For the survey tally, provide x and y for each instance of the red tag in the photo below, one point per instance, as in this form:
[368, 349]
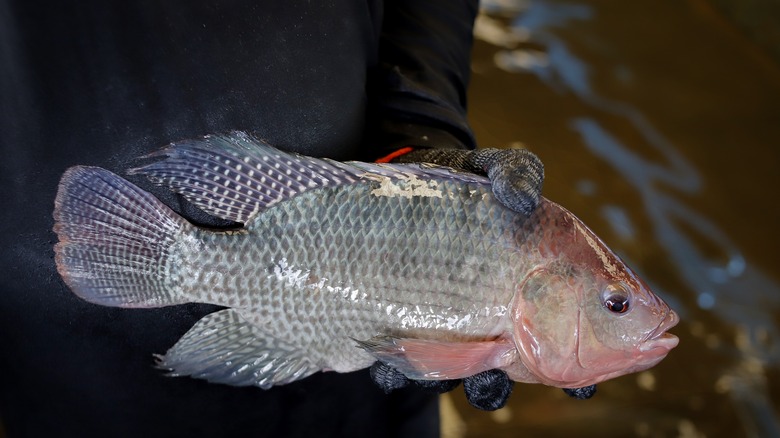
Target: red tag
[395, 154]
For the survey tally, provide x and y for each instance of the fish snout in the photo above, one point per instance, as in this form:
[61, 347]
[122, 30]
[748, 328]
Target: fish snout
[659, 339]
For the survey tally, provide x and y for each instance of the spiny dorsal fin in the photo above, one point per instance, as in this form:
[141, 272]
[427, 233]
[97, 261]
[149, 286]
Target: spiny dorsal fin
[234, 176]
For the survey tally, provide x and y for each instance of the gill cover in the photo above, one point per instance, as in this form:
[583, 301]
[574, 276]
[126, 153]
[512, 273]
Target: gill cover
[546, 325]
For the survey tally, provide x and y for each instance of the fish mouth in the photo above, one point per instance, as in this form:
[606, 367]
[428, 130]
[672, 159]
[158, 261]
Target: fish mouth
[659, 339]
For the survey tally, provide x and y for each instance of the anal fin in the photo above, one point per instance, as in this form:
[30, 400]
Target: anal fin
[224, 348]
[423, 359]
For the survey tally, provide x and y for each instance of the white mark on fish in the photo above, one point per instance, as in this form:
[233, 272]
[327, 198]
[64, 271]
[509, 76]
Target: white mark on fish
[598, 249]
[289, 275]
[302, 279]
[417, 317]
[406, 186]
[346, 292]
[186, 244]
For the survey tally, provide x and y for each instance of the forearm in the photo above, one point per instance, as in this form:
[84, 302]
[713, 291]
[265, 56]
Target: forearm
[417, 91]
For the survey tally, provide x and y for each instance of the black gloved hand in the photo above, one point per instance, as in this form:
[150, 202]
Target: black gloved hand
[515, 174]
[488, 390]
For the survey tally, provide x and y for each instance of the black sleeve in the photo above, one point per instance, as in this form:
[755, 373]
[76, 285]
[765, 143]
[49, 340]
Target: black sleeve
[417, 91]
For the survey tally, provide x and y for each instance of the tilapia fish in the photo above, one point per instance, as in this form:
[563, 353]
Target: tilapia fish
[339, 265]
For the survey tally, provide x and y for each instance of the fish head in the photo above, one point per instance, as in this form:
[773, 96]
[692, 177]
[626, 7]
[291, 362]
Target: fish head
[582, 315]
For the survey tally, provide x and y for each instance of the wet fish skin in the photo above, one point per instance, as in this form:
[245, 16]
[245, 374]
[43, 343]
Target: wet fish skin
[403, 261]
[344, 264]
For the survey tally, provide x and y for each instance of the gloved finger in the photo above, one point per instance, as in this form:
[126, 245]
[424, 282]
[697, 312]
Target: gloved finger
[456, 158]
[390, 379]
[488, 390]
[437, 386]
[583, 393]
[517, 176]
[387, 378]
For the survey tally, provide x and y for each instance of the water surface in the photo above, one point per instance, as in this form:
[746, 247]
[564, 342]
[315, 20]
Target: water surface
[659, 126]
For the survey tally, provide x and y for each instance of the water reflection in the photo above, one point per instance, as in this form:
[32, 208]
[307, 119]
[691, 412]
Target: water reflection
[718, 283]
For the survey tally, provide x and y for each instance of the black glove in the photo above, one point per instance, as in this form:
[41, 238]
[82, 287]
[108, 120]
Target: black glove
[583, 393]
[488, 390]
[516, 176]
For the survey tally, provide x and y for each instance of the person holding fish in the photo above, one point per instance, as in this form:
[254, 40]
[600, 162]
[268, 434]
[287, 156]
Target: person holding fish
[251, 257]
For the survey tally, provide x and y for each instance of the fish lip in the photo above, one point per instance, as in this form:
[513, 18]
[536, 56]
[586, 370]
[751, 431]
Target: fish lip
[660, 338]
[664, 342]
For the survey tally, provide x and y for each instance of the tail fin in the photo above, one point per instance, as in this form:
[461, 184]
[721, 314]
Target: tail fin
[115, 240]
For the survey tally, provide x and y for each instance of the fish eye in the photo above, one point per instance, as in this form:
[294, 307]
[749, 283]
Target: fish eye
[616, 298]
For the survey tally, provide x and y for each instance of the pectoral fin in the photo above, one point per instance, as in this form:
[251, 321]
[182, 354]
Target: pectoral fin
[223, 348]
[422, 359]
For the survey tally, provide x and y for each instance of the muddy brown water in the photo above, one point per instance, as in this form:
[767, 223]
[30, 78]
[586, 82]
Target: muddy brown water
[659, 125]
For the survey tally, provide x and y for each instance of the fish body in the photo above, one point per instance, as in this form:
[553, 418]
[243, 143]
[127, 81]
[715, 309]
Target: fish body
[342, 264]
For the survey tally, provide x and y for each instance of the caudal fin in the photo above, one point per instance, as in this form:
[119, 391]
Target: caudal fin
[115, 240]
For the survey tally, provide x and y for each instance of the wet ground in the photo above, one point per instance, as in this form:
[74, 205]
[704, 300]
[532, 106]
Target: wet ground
[659, 125]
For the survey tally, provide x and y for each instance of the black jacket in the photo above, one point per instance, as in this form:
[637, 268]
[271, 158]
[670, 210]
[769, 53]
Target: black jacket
[99, 82]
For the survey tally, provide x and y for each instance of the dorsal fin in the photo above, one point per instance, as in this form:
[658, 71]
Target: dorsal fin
[234, 176]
